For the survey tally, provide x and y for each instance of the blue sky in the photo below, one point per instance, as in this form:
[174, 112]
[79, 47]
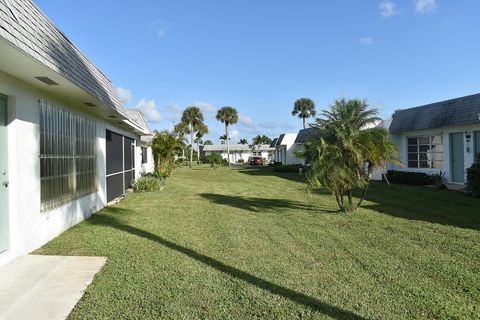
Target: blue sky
[260, 56]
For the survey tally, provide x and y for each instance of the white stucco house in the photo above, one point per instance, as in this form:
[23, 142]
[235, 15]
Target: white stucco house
[242, 152]
[442, 136]
[67, 145]
[285, 148]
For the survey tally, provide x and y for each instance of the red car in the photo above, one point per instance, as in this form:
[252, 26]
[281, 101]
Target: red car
[256, 161]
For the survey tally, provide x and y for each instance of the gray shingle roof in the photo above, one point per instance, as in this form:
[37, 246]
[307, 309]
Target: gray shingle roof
[27, 28]
[137, 116]
[463, 110]
[305, 134]
[274, 143]
[280, 140]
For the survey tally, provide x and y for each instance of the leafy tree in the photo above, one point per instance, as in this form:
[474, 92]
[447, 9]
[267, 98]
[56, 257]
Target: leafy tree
[165, 146]
[347, 152]
[208, 143]
[223, 138]
[304, 108]
[181, 130]
[228, 116]
[243, 141]
[192, 116]
[202, 129]
[261, 140]
[215, 160]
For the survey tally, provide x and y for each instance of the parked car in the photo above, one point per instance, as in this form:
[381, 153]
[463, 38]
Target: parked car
[256, 161]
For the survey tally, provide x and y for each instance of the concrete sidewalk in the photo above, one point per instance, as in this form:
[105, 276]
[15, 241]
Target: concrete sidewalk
[45, 287]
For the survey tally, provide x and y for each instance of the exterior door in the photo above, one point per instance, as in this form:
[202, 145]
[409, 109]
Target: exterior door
[4, 232]
[457, 157]
[477, 144]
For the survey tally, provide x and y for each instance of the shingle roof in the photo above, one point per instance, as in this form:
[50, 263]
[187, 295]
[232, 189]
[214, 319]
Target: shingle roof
[463, 110]
[27, 28]
[137, 116]
[385, 124]
[280, 139]
[236, 147]
[305, 134]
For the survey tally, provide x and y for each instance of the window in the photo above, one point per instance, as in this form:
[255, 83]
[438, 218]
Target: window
[477, 143]
[425, 152]
[144, 155]
[120, 164]
[67, 156]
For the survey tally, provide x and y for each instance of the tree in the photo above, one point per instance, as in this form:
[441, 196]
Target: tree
[243, 141]
[192, 116]
[181, 130]
[215, 160]
[165, 146]
[202, 129]
[223, 138]
[208, 143]
[304, 108]
[258, 140]
[228, 116]
[347, 153]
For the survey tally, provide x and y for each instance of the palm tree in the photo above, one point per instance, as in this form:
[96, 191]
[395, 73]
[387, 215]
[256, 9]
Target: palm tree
[304, 108]
[181, 129]
[164, 148]
[261, 140]
[192, 116]
[228, 116]
[202, 129]
[208, 143]
[339, 156]
[243, 141]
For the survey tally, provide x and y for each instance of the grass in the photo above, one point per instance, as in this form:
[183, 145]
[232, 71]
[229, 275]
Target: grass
[251, 243]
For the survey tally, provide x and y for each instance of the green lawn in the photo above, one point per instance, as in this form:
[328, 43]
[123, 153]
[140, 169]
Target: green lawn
[246, 244]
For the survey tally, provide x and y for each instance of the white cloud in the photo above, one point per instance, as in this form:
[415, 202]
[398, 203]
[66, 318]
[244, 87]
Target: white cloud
[159, 27]
[387, 8]
[149, 109]
[174, 112]
[245, 120]
[235, 134]
[367, 41]
[124, 95]
[425, 6]
[205, 106]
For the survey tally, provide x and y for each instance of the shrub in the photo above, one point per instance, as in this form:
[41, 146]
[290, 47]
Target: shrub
[147, 183]
[215, 159]
[412, 178]
[240, 161]
[473, 178]
[293, 168]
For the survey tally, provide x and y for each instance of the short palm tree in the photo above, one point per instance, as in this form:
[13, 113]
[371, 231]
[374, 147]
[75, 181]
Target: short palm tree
[243, 141]
[304, 108]
[345, 148]
[202, 129]
[164, 148]
[192, 116]
[228, 116]
[181, 130]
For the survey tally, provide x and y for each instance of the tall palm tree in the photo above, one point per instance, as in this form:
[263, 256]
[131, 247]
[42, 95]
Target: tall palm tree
[304, 108]
[243, 141]
[339, 156]
[192, 116]
[202, 129]
[228, 116]
[181, 129]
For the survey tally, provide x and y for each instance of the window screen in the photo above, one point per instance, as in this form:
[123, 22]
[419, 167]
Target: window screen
[67, 155]
[144, 155]
[425, 152]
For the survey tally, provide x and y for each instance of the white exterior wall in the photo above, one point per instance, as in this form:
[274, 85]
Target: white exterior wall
[400, 141]
[285, 153]
[29, 228]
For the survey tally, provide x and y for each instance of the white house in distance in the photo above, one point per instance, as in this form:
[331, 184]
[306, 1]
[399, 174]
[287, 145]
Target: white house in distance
[285, 148]
[147, 163]
[241, 152]
[442, 136]
[67, 145]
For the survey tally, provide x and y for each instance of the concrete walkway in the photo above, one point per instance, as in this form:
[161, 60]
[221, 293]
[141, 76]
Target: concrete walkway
[45, 287]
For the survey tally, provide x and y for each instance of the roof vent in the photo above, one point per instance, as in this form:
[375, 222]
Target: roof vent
[47, 80]
[90, 104]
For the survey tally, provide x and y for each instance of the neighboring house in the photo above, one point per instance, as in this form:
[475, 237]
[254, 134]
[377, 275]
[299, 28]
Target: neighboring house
[442, 136]
[67, 145]
[285, 149]
[240, 151]
[302, 137]
[145, 151]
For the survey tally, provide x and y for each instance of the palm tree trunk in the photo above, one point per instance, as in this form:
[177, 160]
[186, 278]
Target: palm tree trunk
[364, 192]
[198, 152]
[304, 123]
[191, 145]
[228, 146]
[350, 200]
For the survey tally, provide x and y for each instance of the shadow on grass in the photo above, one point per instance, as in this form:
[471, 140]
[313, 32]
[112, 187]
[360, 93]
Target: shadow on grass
[443, 207]
[255, 204]
[297, 297]
[268, 171]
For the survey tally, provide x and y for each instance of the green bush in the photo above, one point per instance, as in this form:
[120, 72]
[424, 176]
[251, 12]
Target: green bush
[473, 178]
[293, 168]
[147, 184]
[215, 160]
[412, 178]
[240, 161]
